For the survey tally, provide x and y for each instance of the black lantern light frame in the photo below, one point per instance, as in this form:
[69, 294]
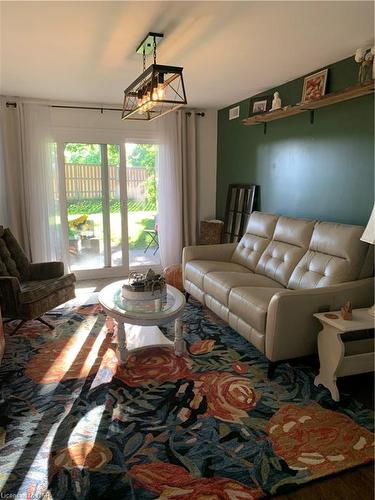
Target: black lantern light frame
[157, 91]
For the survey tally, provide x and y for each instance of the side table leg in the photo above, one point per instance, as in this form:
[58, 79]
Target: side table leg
[179, 343]
[331, 353]
[121, 335]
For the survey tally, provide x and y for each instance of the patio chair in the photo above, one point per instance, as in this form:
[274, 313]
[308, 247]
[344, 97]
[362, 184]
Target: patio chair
[154, 238]
[27, 291]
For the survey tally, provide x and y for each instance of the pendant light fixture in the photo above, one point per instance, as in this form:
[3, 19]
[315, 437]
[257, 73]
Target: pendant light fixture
[157, 91]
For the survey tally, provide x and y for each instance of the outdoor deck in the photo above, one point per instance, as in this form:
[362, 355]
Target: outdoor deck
[137, 257]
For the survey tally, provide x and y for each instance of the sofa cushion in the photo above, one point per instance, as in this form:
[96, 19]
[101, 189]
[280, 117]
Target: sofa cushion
[32, 291]
[219, 284]
[251, 305]
[289, 243]
[258, 234]
[195, 270]
[335, 255]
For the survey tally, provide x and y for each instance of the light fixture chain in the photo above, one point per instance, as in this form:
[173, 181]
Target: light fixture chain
[154, 50]
[144, 59]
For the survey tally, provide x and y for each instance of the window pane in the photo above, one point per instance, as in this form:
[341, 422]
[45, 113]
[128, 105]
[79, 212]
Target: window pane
[141, 175]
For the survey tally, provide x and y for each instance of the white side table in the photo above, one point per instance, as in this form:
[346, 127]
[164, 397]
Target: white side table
[338, 359]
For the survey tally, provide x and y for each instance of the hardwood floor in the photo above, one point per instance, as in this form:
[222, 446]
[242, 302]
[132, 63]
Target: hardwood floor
[354, 484]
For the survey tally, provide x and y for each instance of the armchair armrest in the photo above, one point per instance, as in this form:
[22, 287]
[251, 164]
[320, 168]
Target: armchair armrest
[9, 290]
[46, 270]
[291, 328]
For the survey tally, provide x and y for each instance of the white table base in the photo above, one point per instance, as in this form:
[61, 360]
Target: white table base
[331, 354]
[134, 337]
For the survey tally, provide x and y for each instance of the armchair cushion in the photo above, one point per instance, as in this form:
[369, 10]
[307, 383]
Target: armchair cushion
[45, 270]
[32, 291]
[13, 261]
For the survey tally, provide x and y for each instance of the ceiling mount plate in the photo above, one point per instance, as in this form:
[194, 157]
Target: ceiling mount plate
[147, 44]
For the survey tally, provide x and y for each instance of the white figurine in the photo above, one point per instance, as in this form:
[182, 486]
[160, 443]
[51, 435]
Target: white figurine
[359, 58]
[276, 103]
[368, 66]
[359, 55]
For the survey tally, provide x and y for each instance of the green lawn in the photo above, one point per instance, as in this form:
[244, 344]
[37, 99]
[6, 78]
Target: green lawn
[138, 221]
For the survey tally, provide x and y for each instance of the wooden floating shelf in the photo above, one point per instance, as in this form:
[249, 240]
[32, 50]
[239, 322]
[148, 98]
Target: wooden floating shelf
[332, 98]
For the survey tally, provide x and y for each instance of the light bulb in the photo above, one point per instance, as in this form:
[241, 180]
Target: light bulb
[160, 91]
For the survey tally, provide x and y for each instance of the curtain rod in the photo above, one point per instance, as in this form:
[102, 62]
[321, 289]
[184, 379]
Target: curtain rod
[101, 109]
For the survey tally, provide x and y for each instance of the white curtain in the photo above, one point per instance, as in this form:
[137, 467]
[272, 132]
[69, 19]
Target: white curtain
[4, 212]
[177, 186]
[12, 211]
[31, 180]
[41, 183]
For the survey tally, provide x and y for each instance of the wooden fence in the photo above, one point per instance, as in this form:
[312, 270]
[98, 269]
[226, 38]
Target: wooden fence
[84, 181]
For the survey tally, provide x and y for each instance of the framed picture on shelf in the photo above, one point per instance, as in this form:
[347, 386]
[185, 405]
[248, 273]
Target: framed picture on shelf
[259, 105]
[314, 86]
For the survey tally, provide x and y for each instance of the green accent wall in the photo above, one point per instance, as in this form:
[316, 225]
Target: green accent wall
[323, 170]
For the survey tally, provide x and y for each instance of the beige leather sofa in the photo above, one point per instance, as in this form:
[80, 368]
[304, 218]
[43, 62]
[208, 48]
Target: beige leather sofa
[269, 285]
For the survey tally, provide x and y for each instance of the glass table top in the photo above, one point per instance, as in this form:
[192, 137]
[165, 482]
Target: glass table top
[111, 299]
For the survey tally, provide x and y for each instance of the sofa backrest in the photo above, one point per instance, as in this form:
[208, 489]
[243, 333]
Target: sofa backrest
[259, 231]
[289, 243]
[335, 255]
[13, 261]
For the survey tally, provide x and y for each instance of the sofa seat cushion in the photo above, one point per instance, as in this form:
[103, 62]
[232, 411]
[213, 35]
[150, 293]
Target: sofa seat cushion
[251, 304]
[219, 284]
[195, 270]
[32, 291]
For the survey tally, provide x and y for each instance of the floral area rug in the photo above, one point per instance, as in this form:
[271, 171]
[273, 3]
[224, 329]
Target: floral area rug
[208, 425]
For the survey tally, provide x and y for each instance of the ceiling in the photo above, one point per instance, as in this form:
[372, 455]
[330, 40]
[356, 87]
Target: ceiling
[84, 51]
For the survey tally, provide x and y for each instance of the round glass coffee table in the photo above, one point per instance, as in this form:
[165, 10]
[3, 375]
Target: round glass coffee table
[137, 326]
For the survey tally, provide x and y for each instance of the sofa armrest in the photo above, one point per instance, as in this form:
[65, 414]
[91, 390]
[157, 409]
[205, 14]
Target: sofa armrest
[46, 270]
[208, 252]
[291, 329]
[222, 252]
[9, 292]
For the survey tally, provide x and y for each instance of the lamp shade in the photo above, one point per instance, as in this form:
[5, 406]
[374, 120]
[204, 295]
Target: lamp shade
[369, 233]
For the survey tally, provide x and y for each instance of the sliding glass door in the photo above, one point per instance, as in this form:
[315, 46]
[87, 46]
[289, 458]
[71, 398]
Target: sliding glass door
[94, 214]
[142, 210]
